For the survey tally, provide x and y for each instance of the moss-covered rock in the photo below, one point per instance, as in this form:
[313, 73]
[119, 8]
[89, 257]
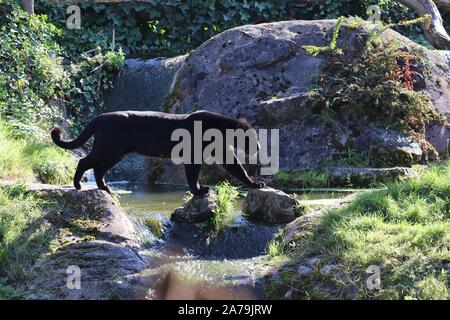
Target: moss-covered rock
[88, 231]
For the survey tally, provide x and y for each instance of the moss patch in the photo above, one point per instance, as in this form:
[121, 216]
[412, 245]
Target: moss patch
[155, 227]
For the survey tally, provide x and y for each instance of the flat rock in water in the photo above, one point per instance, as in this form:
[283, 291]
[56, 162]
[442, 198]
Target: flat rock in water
[271, 206]
[197, 209]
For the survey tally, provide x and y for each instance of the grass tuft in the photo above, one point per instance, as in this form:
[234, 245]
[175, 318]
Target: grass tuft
[29, 160]
[404, 229]
[155, 227]
[224, 214]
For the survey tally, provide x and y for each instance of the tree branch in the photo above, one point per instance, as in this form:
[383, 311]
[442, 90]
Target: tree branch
[436, 33]
[443, 4]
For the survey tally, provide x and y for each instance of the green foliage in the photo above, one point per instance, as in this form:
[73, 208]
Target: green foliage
[357, 159]
[32, 75]
[331, 47]
[49, 163]
[275, 248]
[155, 227]
[7, 291]
[403, 229]
[162, 27]
[373, 87]
[13, 163]
[27, 159]
[91, 74]
[39, 76]
[300, 209]
[225, 213]
[301, 179]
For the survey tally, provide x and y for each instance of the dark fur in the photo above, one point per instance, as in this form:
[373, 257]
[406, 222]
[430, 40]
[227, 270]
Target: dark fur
[147, 133]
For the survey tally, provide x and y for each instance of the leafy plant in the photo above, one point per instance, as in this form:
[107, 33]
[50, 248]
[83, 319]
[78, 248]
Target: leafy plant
[377, 86]
[225, 213]
[301, 179]
[33, 77]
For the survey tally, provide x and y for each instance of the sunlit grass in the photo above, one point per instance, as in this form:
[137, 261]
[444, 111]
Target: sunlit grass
[13, 164]
[18, 247]
[224, 213]
[405, 230]
[31, 160]
[275, 248]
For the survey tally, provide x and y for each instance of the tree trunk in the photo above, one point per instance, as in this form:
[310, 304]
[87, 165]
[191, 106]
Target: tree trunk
[436, 34]
[28, 6]
[443, 4]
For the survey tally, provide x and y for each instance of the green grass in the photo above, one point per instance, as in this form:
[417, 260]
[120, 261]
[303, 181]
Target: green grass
[301, 179]
[33, 160]
[356, 159]
[405, 230]
[20, 245]
[155, 227]
[13, 164]
[275, 248]
[224, 213]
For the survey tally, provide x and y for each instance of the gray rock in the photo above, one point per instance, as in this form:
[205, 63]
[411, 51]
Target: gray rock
[303, 271]
[103, 242]
[301, 224]
[328, 269]
[142, 84]
[438, 89]
[197, 209]
[271, 206]
[391, 146]
[262, 73]
[365, 176]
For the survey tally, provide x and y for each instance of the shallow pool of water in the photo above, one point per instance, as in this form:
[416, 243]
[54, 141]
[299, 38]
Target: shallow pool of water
[140, 200]
[233, 258]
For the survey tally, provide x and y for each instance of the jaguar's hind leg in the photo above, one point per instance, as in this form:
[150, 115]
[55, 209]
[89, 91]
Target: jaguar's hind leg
[192, 174]
[99, 174]
[83, 165]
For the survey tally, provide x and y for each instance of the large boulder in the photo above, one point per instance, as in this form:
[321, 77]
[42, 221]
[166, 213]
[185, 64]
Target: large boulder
[271, 206]
[89, 232]
[262, 73]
